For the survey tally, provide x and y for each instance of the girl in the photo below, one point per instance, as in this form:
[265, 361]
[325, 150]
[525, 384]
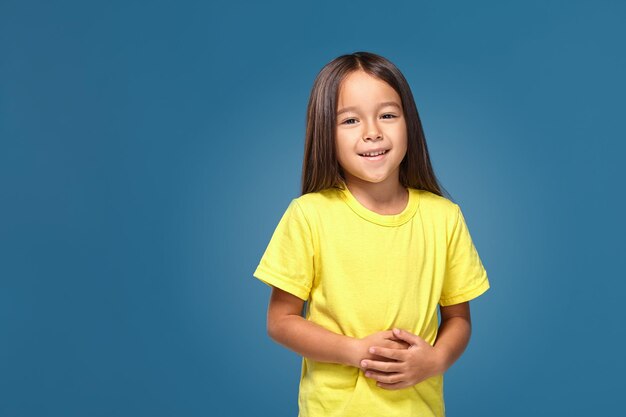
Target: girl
[375, 248]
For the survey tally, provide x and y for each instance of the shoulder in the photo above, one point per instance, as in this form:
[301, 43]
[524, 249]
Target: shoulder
[433, 202]
[316, 206]
[318, 199]
[438, 208]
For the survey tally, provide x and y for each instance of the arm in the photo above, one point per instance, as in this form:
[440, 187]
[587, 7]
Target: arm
[454, 334]
[286, 326]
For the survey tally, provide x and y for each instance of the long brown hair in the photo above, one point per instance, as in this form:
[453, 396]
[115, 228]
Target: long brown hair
[320, 168]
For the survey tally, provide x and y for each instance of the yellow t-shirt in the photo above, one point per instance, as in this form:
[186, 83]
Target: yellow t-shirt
[364, 272]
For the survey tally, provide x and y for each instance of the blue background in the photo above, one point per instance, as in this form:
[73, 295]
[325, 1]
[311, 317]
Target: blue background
[148, 150]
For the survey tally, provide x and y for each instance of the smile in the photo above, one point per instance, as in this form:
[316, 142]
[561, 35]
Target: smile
[375, 158]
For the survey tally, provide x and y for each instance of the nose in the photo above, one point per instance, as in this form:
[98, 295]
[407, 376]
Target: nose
[372, 132]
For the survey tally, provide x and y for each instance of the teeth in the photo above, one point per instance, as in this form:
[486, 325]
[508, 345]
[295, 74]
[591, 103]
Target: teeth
[373, 153]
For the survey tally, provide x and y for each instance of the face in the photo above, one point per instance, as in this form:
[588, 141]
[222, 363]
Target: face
[370, 118]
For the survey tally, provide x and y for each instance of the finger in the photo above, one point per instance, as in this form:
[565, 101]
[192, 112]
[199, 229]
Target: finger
[381, 366]
[396, 386]
[380, 358]
[395, 340]
[397, 354]
[390, 346]
[391, 378]
[398, 345]
[388, 334]
[409, 337]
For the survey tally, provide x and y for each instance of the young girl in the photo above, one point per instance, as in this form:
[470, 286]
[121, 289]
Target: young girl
[375, 249]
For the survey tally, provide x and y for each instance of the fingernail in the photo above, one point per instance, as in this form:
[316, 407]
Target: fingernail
[396, 331]
[364, 364]
[372, 350]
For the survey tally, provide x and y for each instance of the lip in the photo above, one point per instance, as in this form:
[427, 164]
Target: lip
[375, 158]
[373, 150]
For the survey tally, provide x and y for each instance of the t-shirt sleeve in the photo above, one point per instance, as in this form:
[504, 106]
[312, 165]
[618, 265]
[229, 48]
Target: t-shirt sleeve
[465, 277]
[288, 259]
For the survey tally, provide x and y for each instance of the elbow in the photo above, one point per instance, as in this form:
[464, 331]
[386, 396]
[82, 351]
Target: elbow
[276, 329]
[281, 307]
[272, 328]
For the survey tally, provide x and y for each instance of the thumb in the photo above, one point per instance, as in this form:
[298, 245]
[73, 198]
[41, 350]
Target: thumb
[408, 337]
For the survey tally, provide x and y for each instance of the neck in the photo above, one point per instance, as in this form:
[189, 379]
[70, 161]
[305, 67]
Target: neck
[388, 195]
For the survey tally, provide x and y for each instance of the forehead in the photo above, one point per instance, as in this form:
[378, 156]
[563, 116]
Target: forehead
[361, 89]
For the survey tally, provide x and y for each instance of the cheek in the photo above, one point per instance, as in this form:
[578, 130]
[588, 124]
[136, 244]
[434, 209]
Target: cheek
[402, 138]
[342, 148]
[401, 131]
[342, 158]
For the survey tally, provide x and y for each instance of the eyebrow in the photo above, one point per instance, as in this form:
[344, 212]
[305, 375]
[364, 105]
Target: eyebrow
[383, 104]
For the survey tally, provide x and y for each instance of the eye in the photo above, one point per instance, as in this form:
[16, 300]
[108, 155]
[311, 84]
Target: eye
[347, 120]
[392, 116]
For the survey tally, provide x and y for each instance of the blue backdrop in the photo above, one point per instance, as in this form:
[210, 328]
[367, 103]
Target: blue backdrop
[148, 150]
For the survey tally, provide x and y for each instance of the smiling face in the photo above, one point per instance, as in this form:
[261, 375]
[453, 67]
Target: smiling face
[370, 118]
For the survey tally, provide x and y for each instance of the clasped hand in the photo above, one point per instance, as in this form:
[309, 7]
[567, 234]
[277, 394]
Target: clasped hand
[406, 361]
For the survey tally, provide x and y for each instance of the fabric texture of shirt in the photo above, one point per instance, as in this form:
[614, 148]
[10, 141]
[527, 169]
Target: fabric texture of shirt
[364, 272]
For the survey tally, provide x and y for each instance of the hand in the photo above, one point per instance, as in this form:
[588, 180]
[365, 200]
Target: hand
[407, 366]
[382, 339]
